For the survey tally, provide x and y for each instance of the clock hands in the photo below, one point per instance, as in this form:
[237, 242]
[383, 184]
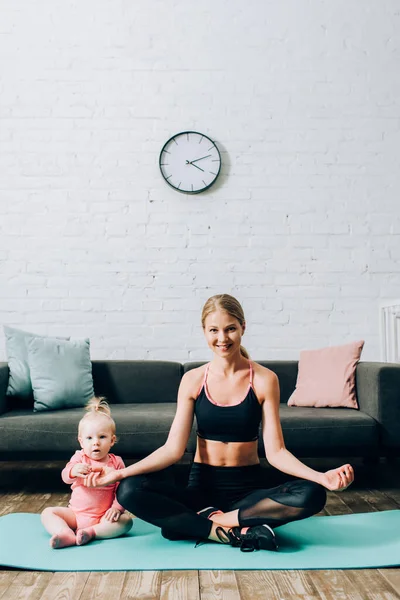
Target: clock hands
[197, 167]
[188, 162]
[193, 161]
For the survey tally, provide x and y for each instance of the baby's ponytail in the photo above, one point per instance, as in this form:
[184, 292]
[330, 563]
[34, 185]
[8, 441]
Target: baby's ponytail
[98, 404]
[97, 407]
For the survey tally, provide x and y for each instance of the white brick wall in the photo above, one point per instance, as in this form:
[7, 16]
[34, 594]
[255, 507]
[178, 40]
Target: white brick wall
[303, 226]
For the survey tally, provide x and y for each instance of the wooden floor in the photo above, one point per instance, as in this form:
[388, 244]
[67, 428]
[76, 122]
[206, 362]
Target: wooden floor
[33, 486]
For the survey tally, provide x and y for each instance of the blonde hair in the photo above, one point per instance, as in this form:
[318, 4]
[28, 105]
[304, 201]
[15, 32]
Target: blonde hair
[96, 408]
[230, 305]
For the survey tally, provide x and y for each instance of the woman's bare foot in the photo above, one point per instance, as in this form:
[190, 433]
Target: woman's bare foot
[228, 519]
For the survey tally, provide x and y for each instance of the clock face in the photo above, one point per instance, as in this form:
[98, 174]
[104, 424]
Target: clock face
[190, 162]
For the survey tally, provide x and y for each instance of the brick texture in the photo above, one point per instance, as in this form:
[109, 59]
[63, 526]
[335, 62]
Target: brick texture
[303, 225]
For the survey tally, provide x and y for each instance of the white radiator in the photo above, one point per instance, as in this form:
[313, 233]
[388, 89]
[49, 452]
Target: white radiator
[390, 331]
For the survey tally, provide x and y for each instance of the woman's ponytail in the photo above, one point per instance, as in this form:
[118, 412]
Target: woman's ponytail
[244, 352]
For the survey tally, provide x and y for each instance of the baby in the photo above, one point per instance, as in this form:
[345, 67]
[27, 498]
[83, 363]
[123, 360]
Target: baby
[92, 512]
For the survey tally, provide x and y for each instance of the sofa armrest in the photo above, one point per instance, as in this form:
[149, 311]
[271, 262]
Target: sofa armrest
[3, 386]
[378, 394]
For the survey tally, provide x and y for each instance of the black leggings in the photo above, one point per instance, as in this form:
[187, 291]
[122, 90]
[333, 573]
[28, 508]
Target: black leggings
[156, 498]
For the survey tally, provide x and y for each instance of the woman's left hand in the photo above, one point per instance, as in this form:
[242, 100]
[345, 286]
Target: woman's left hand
[338, 479]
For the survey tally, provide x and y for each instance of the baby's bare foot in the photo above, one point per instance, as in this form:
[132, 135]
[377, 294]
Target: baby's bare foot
[83, 536]
[63, 539]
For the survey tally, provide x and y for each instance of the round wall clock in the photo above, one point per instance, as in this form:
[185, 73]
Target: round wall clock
[190, 162]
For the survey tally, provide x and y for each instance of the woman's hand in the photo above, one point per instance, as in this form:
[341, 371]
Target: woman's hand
[101, 476]
[338, 479]
[112, 515]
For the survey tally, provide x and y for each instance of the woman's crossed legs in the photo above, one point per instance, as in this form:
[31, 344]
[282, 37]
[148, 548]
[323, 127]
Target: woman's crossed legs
[156, 499]
[291, 501]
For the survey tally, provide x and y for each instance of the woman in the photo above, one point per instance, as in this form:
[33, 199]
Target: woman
[226, 499]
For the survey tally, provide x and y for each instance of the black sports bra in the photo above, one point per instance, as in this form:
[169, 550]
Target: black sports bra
[228, 423]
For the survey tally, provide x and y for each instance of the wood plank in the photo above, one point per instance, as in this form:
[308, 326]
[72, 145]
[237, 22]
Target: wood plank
[378, 500]
[33, 503]
[218, 585]
[29, 585]
[10, 502]
[257, 585]
[66, 586]
[335, 504]
[392, 576]
[57, 499]
[368, 501]
[276, 585]
[295, 585]
[142, 584]
[372, 585]
[6, 579]
[179, 585]
[334, 584]
[356, 502]
[393, 494]
[103, 586]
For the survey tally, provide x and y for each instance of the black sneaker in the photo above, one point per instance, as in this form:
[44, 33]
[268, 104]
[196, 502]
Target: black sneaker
[248, 539]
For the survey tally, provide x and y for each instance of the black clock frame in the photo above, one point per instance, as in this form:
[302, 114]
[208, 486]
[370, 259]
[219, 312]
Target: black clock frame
[185, 191]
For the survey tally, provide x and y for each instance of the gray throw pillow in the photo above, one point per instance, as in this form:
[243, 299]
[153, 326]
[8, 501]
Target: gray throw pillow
[61, 373]
[19, 381]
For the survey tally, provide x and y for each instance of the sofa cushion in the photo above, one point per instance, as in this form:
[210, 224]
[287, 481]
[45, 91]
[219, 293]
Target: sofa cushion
[19, 382]
[327, 377]
[137, 381]
[140, 429]
[61, 373]
[328, 432]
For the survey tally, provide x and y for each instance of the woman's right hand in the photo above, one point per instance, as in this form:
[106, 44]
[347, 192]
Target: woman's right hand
[102, 477]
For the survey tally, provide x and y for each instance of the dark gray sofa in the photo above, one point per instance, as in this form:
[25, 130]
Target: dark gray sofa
[143, 394]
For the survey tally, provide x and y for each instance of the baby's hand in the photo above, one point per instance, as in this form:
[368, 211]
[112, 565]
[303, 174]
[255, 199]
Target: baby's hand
[112, 515]
[80, 470]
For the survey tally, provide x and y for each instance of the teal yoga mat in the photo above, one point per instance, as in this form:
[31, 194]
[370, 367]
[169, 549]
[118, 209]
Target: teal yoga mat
[338, 542]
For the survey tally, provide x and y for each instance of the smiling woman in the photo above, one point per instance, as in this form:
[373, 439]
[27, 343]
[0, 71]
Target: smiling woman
[230, 308]
[228, 498]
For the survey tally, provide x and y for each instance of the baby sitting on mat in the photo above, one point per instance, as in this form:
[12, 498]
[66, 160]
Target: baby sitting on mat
[92, 512]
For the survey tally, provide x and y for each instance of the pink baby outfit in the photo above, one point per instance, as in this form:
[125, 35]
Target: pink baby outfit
[90, 504]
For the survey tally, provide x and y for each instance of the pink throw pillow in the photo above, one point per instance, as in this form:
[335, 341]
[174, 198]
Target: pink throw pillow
[326, 377]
